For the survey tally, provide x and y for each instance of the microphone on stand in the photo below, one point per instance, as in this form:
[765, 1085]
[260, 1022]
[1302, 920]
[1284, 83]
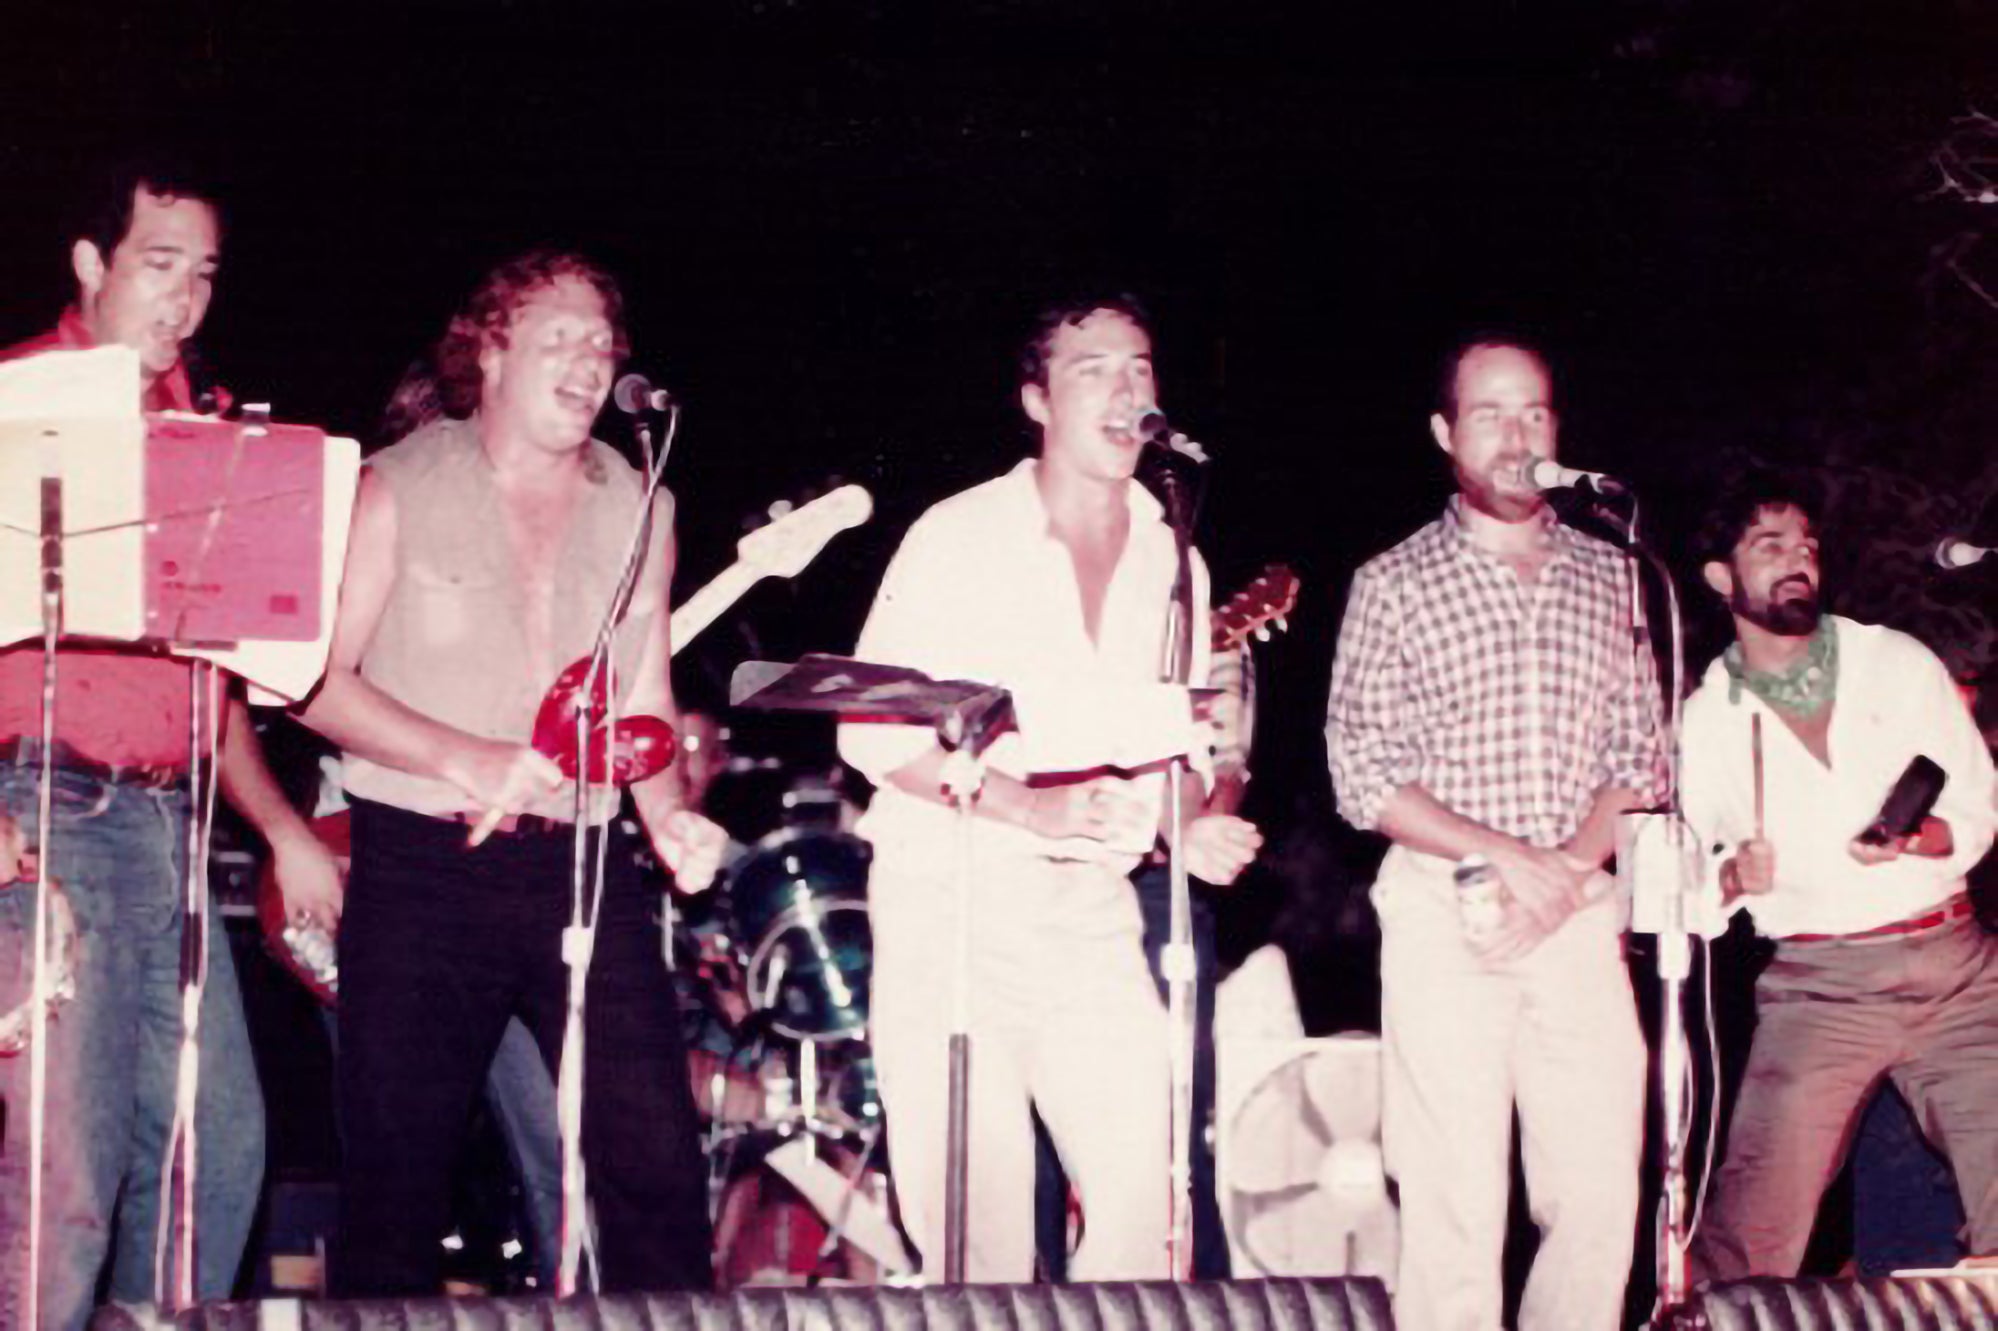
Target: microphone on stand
[635, 395]
[1547, 474]
[1151, 427]
[1172, 465]
[1953, 552]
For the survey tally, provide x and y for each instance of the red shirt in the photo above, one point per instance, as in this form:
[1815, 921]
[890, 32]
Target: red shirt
[113, 705]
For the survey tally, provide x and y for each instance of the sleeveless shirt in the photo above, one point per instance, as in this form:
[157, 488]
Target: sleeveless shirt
[452, 643]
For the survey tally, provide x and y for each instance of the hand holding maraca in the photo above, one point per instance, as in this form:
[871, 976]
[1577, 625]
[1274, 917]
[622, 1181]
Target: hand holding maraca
[502, 777]
[505, 776]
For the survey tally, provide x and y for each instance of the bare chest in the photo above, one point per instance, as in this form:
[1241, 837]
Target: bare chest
[1095, 564]
[537, 531]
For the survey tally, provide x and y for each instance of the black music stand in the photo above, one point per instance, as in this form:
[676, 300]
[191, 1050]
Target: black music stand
[973, 714]
[968, 717]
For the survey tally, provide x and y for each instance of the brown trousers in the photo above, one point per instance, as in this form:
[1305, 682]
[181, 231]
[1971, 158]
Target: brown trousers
[1832, 1020]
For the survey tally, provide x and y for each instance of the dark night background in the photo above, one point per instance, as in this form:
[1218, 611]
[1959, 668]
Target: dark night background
[831, 221]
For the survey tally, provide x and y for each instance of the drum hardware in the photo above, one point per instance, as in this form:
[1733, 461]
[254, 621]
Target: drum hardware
[813, 1088]
[855, 1212]
[842, 1182]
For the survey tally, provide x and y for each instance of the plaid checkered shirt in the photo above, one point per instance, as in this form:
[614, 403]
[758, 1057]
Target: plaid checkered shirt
[1512, 705]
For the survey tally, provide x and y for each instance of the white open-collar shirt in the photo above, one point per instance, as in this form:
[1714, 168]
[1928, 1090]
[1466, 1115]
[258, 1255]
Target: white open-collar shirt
[982, 590]
[1894, 700]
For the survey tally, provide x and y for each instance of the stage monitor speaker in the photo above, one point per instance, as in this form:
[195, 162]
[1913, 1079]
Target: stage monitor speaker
[1243, 1305]
[1903, 1303]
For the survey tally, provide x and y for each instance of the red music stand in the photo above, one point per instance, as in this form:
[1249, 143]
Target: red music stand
[202, 537]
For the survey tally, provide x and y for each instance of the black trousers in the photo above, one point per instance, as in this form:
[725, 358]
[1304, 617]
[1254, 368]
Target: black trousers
[439, 946]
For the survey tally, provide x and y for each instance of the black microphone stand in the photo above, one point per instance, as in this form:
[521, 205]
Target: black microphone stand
[1178, 963]
[586, 868]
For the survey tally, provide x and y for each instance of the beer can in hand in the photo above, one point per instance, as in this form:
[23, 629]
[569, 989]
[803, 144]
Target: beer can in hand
[1480, 899]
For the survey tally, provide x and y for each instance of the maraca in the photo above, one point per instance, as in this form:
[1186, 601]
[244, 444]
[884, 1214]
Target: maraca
[636, 748]
[639, 747]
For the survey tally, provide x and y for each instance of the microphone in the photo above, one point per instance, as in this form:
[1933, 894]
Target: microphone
[1953, 552]
[1547, 474]
[1151, 427]
[635, 395]
[208, 395]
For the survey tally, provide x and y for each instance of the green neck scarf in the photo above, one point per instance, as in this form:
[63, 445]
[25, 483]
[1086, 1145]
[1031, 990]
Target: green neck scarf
[1804, 688]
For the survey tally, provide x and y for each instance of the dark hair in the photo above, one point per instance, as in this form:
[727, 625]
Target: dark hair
[1481, 340]
[1051, 319]
[105, 215]
[1742, 497]
[488, 314]
[412, 404]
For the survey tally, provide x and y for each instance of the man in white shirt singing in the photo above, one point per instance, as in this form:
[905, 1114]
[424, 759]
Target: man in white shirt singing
[1052, 581]
[1791, 743]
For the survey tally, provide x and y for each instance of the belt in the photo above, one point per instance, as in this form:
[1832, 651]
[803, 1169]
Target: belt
[512, 824]
[26, 751]
[1956, 908]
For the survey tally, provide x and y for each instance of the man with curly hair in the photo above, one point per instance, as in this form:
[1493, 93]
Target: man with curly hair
[486, 549]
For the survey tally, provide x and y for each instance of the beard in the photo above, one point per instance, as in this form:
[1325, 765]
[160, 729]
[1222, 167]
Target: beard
[1791, 617]
[1486, 495]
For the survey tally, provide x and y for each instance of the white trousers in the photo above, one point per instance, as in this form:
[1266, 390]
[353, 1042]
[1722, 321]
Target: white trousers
[1554, 1034]
[1064, 1019]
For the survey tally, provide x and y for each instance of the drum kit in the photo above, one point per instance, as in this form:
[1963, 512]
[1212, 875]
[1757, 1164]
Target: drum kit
[797, 1166]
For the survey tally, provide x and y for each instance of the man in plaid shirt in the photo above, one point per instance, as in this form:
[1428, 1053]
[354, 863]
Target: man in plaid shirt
[1489, 700]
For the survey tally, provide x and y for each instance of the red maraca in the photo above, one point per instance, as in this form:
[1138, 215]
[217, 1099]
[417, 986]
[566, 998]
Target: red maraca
[640, 746]
[637, 747]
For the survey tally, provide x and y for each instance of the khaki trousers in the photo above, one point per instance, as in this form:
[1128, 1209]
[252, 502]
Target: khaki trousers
[1064, 1019]
[1553, 1034]
[1832, 1020]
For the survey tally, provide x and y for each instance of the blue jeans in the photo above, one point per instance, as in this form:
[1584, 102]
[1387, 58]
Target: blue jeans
[113, 1051]
[522, 1096]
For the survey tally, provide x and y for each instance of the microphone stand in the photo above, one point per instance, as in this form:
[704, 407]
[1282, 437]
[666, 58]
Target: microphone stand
[579, 938]
[38, 992]
[964, 777]
[1675, 957]
[1672, 1236]
[174, 1251]
[1178, 962]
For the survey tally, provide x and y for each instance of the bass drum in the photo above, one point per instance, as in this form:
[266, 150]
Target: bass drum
[799, 903]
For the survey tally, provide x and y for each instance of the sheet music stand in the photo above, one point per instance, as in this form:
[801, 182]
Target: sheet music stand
[862, 691]
[967, 717]
[86, 482]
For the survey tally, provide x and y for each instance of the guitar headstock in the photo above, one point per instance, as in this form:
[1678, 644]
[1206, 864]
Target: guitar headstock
[1258, 607]
[783, 548]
